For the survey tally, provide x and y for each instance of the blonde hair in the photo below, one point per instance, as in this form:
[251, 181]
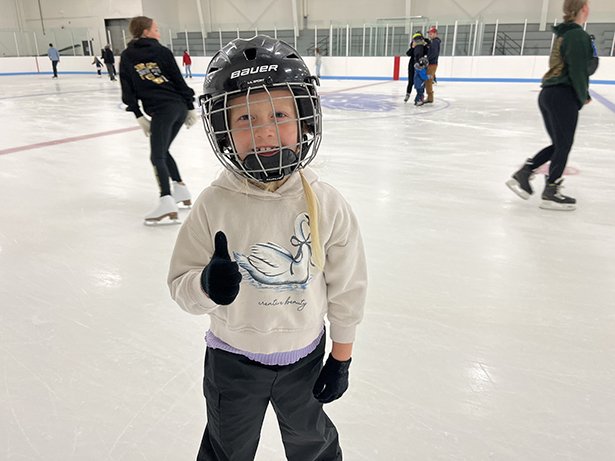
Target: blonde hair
[139, 24]
[312, 208]
[571, 9]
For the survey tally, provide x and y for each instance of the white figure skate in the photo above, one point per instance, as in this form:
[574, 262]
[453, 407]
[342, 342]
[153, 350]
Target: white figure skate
[167, 208]
[181, 194]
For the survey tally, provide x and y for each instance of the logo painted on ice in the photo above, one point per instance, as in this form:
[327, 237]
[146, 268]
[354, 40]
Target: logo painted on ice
[254, 70]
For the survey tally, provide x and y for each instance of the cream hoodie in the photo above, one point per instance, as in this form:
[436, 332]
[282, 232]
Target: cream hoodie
[283, 298]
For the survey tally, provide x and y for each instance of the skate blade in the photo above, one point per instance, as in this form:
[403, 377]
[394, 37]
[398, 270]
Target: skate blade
[549, 205]
[513, 185]
[161, 221]
[185, 203]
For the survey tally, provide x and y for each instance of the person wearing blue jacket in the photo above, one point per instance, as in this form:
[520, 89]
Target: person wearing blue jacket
[54, 56]
[420, 77]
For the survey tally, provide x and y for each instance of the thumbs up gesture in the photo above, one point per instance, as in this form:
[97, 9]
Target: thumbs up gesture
[221, 277]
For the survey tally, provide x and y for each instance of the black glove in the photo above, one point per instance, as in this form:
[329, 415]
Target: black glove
[221, 277]
[332, 381]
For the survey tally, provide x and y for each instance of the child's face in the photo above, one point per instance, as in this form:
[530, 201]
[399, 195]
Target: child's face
[260, 113]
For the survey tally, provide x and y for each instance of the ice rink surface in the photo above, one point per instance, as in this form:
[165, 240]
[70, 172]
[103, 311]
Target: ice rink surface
[489, 332]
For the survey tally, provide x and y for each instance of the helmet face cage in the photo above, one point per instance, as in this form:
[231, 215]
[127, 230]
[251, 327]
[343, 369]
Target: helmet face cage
[290, 156]
[280, 75]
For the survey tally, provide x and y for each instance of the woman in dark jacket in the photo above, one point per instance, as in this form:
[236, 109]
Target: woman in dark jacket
[418, 49]
[565, 90]
[150, 74]
[109, 60]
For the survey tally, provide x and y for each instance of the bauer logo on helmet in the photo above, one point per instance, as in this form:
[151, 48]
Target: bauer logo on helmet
[254, 70]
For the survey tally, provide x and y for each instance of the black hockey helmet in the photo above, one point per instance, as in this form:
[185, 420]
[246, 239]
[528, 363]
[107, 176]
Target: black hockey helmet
[260, 64]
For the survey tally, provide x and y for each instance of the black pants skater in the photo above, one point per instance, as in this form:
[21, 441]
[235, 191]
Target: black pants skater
[410, 77]
[165, 125]
[560, 110]
[238, 390]
[111, 70]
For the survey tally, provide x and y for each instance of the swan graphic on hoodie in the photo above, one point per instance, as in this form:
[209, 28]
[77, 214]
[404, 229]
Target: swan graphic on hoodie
[270, 265]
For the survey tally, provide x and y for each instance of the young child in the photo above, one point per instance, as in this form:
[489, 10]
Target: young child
[98, 64]
[268, 251]
[420, 77]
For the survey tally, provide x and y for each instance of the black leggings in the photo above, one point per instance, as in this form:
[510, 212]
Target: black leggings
[166, 123]
[410, 77]
[560, 110]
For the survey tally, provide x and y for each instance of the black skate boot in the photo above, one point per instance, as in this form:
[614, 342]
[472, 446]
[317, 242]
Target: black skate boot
[520, 181]
[553, 199]
[407, 97]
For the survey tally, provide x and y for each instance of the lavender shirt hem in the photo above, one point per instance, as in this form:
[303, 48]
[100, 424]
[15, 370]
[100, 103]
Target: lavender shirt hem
[277, 358]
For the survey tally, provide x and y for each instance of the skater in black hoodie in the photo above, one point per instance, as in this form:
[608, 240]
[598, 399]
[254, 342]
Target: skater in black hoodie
[565, 90]
[417, 49]
[109, 60]
[149, 73]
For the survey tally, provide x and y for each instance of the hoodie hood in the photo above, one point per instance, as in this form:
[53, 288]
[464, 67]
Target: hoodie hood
[564, 27]
[291, 188]
[143, 42]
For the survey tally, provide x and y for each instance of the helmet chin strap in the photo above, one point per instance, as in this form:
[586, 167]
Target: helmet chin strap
[267, 169]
